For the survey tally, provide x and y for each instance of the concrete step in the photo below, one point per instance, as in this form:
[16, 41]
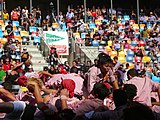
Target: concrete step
[38, 61]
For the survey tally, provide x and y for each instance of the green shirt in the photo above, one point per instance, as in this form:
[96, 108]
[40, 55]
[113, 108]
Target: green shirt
[2, 74]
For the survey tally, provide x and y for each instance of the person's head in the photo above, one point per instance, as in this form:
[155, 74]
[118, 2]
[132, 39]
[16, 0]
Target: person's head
[5, 52]
[38, 81]
[127, 65]
[66, 114]
[96, 62]
[74, 63]
[74, 70]
[119, 97]
[131, 91]
[138, 111]
[115, 59]
[104, 62]
[25, 49]
[9, 23]
[17, 42]
[52, 67]
[30, 68]
[145, 27]
[100, 91]
[89, 63]
[155, 63]
[66, 63]
[7, 61]
[70, 86]
[132, 73]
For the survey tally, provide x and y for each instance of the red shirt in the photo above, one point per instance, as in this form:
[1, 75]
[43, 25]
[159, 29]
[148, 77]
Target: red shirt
[6, 67]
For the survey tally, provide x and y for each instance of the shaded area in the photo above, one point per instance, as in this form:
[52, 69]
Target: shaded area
[44, 4]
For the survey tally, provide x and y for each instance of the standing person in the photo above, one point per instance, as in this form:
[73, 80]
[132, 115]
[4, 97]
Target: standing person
[102, 71]
[25, 11]
[15, 15]
[9, 29]
[2, 73]
[145, 34]
[74, 68]
[38, 17]
[5, 15]
[144, 87]
[54, 57]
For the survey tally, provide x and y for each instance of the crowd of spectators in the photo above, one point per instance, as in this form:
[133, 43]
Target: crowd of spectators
[111, 88]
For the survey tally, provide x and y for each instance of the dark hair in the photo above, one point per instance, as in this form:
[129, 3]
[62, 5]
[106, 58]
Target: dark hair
[74, 70]
[137, 111]
[103, 59]
[100, 90]
[66, 114]
[119, 97]
[132, 72]
[127, 65]
[115, 58]
[131, 91]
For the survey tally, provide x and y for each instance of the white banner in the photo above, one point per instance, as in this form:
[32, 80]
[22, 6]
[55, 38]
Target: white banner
[59, 40]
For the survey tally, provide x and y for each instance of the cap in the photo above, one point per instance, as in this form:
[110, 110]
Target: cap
[155, 62]
[30, 66]
[25, 48]
[22, 80]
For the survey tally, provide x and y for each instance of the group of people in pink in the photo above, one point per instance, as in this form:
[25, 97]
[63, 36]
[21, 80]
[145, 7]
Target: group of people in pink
[109, 89]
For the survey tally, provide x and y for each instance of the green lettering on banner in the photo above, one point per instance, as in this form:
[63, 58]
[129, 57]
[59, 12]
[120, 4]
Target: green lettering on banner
[53, 38]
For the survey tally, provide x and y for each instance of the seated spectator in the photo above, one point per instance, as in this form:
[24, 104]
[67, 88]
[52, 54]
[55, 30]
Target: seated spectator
[96, 36]
[2, 73]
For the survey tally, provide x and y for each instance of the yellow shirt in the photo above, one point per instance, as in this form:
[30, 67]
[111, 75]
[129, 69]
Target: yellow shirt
[5, 16]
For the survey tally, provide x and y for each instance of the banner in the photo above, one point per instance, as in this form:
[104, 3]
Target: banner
[59, 40]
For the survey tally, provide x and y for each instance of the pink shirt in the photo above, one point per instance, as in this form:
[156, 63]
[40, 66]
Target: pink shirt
[94, 78]
[144, 88]
[76, 78]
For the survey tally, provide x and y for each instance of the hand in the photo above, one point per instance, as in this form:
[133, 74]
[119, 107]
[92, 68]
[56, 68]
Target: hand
[64, 92]
[33, 83]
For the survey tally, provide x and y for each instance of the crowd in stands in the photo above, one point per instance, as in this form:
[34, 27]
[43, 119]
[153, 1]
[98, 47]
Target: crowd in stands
[120, 85]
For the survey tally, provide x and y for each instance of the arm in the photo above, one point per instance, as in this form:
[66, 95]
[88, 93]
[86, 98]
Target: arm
[49, 91]
[30, 56]
[36, 92]
[7, 94]
[17, 65]
[64, 94]
[45, 73]
[113, 79]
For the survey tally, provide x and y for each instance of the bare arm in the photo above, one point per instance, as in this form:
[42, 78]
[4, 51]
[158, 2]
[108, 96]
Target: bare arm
[64, 94]
[7, 94]
[49, 91]
[45, 73]
[36, 92]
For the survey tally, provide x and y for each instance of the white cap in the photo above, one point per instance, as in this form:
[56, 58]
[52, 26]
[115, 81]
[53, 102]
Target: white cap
[25, 48]
[155, 62]
[30, 66]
